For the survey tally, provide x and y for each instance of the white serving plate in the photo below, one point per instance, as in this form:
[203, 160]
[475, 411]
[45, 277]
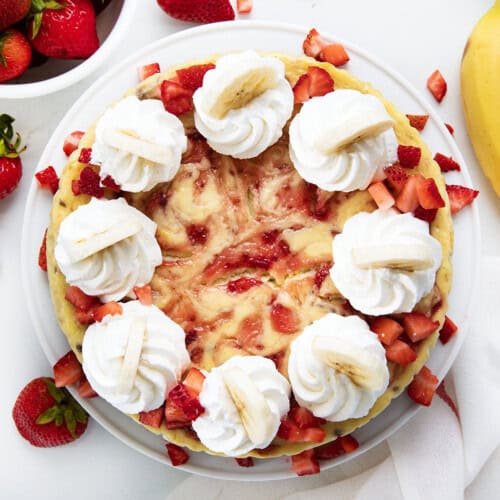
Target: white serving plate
[198, 43]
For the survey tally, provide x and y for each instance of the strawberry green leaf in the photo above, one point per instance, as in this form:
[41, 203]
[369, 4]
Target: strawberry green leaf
[7, 148]
[48, 415]
[36, 12]
[70, 421]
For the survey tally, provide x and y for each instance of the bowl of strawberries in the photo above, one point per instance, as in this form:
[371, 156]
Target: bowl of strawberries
[48, 45]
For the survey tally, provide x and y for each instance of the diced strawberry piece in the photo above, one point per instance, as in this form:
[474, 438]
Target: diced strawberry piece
[443, 394]
[192, 78]
[316, 82]
[175, 418]
[341, 446]
[197, 234]
[437, 85]
[423, 387]
[418, 326]
[289, 431]
[427, 215]
[245, 462]
[283, 319]
[75, 186]
[48, 178]
[85, 155]
[177, 455]
[42, 253]
[407, 200]
[194, 381]
[314, 43]
[67, 370]
[113, 308]
[189, 404]
[460, 196]
[409, 156]
[153, 418]
[89, 183]
[381, 195]
[451, 130]
[428, 194]
[85, 317]
[80, 299]
[147, 70]
[72, 141]
[349, 443]
[335, 54]
[387, 329]
[243, 284]
[85, 389]
[304, 463]
[448, 330]
[396, 177]
[401, 353]
[446, 163]
[321, 274]
[144, 294]
[314, 435]
[176, 99]
[418, 121]
[244, 6]
[304, 418]
[110, 183]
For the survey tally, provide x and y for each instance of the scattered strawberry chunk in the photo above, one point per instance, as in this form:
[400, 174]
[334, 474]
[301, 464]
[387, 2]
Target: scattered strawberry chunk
[72, 141]
[88, 183]
[42, 253]
[446, 163]
[428, 194]
[85, 317]
[153, 418]
[316, 82]
[144, 294]
[85, 155]
[381, 195]
[418, 326]
[244, 6]
[175, 418]
[304, 463]
[194, 381]
[85, 389]
[245, 462]
[437, 85]
[335, 54]
[290, 431]
[443, 394]
[304, 418]
[451, 130]
[448, 330]
[48, 178]
[67, 370]
[407, 200]
[243, 284]
[418, 121]
[177, 455]
[110, 308]
[423, 387]
[401, 353]
[387, 329]
[409, 156]
[147, 70]
[314, 43]
[427, 215]
[460, 196]
[110, 183]
[314, 435]
[396, 177]
[183, 399]
[191, 78]
[176, 99]
[341, 446]
[283, 319]
[80, 299]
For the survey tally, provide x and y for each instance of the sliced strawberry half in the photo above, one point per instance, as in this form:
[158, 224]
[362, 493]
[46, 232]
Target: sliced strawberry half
[407, 200]
[423, 387]
[80, 299]
[381, 195]
[48, 178]
[418, 121]
[401, 353]
[387, 329]
[144, 294]
[67, 370]
[460, 196]
[316, 82]
[176, 99]
[335, 54]
[314, 43]
[446, 163]
[418, 326]
[305, 464]
[110, 308]
[437, 85]
[153, 418]
[409, 156]
[396, 177]
[177, 455]
[448, 330]
[191, 78]
[42, 253]
[428, 194]
[194, 381]
[72, 141]
[147, 70]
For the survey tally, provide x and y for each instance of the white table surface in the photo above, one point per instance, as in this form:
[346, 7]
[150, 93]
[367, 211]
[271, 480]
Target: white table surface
[414, 38]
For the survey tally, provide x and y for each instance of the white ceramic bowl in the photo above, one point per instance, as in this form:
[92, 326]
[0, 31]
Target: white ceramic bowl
[57, 74]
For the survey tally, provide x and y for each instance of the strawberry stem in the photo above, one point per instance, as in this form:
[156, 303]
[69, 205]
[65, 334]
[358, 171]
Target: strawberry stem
[36, 12]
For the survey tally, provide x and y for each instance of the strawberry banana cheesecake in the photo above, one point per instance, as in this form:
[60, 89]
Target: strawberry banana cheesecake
[251, 257]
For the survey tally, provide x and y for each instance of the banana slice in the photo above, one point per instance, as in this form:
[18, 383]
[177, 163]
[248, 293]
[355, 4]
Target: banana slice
[132, 355]
[252, 407]
[362, 366]
[239, 89]
[130, 142]
[99, 241]
[414, 257]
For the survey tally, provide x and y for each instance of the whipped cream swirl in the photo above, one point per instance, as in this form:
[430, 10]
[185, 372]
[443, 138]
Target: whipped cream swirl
[132, 360]
[330, 391]
[106, 248]
[223, 428]
[383, 290]
[342, 141]
[249, 130]
[138, 144]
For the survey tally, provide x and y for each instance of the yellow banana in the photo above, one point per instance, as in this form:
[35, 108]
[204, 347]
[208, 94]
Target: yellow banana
[480, 86]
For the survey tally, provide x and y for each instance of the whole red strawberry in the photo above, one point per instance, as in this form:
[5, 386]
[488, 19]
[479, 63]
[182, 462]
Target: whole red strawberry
[12, 11]
[47, 416]
[10, 164]
[198, 11]
[15, 54]
[63, 29]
